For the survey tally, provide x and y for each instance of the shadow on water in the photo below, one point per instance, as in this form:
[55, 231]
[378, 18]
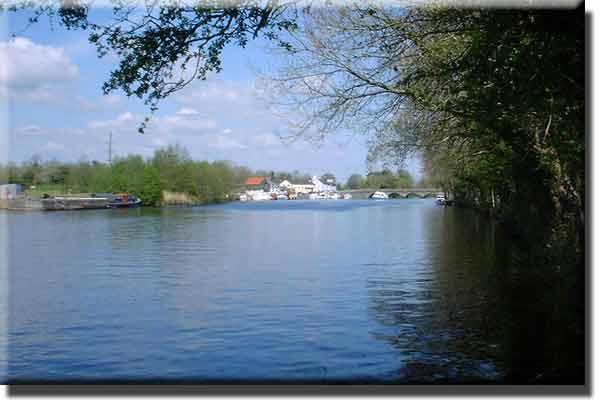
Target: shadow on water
[480, 310]
[441, 296]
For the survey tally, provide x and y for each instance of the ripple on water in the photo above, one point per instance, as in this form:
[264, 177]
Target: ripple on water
[298, 290]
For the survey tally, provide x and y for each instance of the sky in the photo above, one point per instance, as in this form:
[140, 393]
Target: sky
[51, 79]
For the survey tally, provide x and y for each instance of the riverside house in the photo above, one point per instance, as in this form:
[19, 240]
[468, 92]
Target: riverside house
[259, 183]
[256, 183]
[298, 188]
[259, 188]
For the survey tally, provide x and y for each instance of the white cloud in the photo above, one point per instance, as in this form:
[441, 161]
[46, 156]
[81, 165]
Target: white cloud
[217, 90]
[223, 142]
[187, 111]
[112, 99]
[31, 130]
[224, 97]
[182, 123]
[186, 122]
[31, 69]
[53, 146]
[122, 122]
[160, 141]
[266, 140]
[126, 117]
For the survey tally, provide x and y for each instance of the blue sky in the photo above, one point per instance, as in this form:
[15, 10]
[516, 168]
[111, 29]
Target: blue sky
[53, 78]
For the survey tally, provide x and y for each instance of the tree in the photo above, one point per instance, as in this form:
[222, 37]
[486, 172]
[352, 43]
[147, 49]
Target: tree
[51, 172]
[404, 179]
[173, 165]
[328, 178]
[151, 190]
[226, 176]
[78, 179]
[382, 180]
[241, 174]
[492, 100]
[300, 177]
[355, 181]
[101, 178]
[127, 174]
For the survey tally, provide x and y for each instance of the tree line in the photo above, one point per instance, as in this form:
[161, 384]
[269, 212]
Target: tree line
[170, 169]
[384, 179]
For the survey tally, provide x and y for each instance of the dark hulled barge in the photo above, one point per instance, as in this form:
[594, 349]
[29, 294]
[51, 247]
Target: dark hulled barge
[92, 202]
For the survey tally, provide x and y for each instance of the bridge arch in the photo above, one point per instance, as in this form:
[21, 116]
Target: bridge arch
[422, 193]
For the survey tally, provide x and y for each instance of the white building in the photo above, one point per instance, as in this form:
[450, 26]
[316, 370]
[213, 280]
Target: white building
[285, 184]
[303, 188]
[320, 187]
[297, 187]
[11, 191]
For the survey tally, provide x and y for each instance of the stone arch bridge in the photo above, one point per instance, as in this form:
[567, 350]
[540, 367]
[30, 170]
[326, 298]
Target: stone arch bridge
[395, 193]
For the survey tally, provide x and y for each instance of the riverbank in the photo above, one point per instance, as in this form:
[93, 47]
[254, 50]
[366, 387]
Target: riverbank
[185, 199]
[23, 204]
[35, 203]
[170, 199]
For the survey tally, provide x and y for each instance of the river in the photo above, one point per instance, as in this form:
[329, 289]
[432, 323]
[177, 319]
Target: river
[303, 291]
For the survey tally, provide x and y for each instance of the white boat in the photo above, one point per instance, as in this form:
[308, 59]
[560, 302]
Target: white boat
[260, 196]
[346, 196]
[379, 196]
[440, 199]
[243, 197]
[282, 197]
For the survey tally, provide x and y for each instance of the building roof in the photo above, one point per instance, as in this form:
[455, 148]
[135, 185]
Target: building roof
[255, 180]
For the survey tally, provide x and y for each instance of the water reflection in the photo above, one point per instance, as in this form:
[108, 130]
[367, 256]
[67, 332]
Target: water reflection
[399, 291]
[476, 309]
[434, 308]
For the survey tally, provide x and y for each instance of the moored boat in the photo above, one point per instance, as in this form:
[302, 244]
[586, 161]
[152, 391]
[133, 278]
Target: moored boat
[258, 196]
[324, 196]
[94, 201]
[73, 203]
[379, 196]
[123, 200]
[118, 200]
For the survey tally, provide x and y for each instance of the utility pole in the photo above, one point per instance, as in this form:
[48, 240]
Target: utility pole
[110, 148]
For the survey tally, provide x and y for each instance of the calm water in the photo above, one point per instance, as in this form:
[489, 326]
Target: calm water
[357, 291]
